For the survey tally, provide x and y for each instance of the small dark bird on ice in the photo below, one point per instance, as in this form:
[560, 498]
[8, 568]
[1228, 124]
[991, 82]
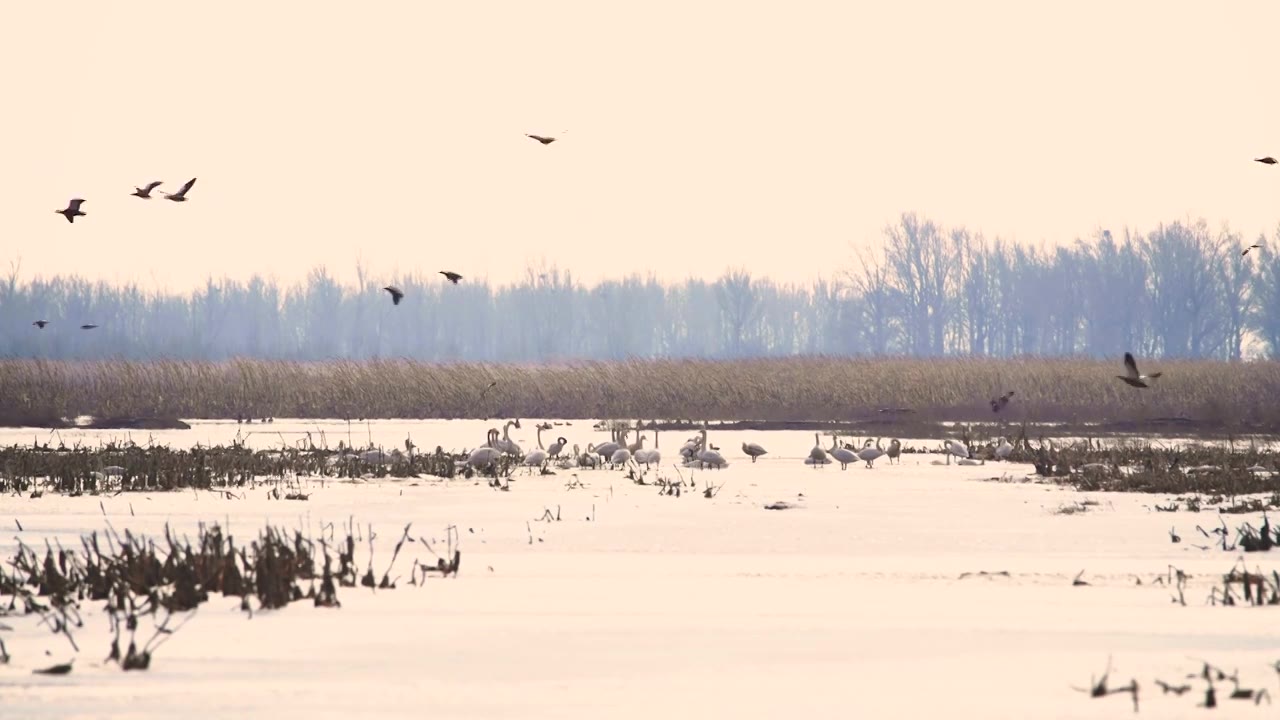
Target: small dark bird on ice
[1175, 689]
[72, 210]
[544, 139]
[145, 192]
[998, 404]
[1254, 246]
[40, 323]
[88, 326]
[1133, 377]
[492, 385]
[396, 294]
[453, 276]
[1268, 160]
[181, 195]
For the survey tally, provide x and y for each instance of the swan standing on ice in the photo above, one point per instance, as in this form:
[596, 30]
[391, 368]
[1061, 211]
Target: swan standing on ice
[817, 455]
[753, 450]
[844, 456]
[952, 447]
[537, 458]
[486, 454]
[895, 451]
[587, 459]
[649, 457]
[1003, 449]
[639, 443]
[689, 450]
[607, 450]
[556, 447]
[620, 457]
[707, 456]
[870, 454]
[506, 444]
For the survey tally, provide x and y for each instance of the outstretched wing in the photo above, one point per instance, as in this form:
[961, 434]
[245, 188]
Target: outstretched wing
[186, 186]
[152, 186]
[1131, 366]
[75, 204]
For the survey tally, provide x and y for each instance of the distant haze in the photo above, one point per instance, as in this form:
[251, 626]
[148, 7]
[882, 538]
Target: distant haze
[700, 135]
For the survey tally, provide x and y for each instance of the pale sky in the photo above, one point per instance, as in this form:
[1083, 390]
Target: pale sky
[700, 135]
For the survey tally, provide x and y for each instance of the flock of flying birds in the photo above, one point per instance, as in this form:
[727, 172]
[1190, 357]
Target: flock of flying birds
[73, 211]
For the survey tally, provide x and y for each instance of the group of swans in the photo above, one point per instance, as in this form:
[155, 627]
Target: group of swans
[696, 452]
[951, 447]
[819, 455]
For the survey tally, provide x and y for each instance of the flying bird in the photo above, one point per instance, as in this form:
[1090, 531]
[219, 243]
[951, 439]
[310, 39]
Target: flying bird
[453, 276]
[544, 139]
[88, 326]
[492, 385]
[40, 323]
[72, 210]
[1133, 377]
[181, 195]
[998, 404]
[1254, 246]
[1268, 160]
[145, 192]
[396, 294]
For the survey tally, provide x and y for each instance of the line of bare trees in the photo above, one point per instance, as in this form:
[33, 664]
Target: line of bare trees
[1180, 290]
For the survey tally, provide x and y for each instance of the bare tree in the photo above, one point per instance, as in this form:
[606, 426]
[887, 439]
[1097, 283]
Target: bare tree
[739, 308]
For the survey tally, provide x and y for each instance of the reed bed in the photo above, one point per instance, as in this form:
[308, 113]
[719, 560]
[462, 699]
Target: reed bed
[138, 577]
[796, 388]
[1218, 473]
[118, 468]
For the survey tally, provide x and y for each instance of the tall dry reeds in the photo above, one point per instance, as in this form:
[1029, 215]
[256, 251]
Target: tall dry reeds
[805, 388]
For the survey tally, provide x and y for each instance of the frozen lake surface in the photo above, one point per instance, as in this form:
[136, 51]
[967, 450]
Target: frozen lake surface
[850, 604]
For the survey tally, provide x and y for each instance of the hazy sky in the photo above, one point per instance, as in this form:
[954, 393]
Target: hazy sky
[700, 135]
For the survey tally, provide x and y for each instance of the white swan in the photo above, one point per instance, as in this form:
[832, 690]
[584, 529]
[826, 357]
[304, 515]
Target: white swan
[844, 456]
[753, 450]
[870, 454]
[506, 444]
[536, 458]
[639, 443]
[486, 454]
[607, 450]
[818, 455]
[707, 456]
[1003, 449]
[952, 447]
[620, 456]
[587, 459]
[649, 457]
[689, 450]
[895, 451]
[655, 455]
[556, 447]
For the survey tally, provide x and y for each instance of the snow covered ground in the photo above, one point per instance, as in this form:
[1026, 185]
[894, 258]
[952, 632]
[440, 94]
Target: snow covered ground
[643, 605]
